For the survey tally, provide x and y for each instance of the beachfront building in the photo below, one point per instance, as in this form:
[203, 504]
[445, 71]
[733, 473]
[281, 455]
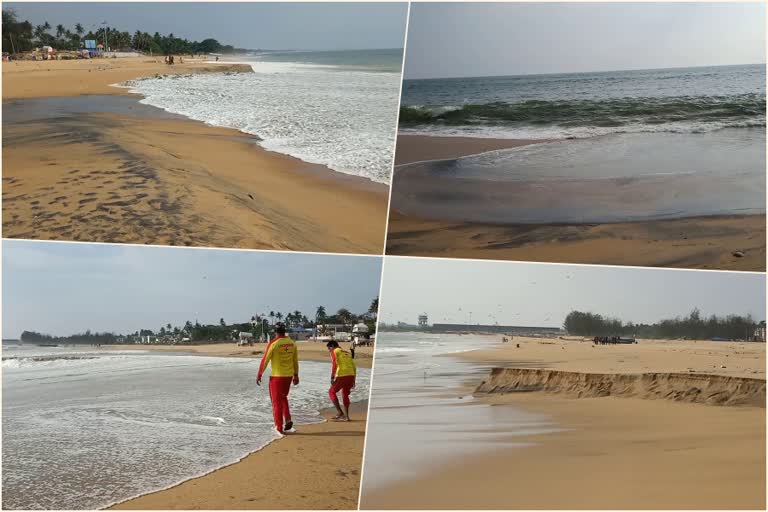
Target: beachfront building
[423, 320]
[245, 338]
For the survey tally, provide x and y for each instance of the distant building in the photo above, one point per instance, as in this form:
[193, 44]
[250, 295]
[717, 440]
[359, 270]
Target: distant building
[423, 320]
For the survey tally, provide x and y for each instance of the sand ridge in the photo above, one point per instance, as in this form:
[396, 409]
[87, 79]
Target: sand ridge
[689, 388]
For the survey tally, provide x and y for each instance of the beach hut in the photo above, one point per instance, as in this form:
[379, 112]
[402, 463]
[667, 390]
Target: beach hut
[245, 338]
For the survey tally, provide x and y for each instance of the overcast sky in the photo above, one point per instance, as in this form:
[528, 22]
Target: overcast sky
[531, 294]
[491, 39]
[60, 288]
[302, 26]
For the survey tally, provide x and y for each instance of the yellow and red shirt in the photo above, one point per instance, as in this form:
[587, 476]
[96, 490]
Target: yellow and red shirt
[283, 356]
[342, 363]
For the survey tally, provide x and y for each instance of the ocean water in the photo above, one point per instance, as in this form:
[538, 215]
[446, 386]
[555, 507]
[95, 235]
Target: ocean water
[84, 428]
[337, 109]
[613, 147]
[421, 416]
[683, 100]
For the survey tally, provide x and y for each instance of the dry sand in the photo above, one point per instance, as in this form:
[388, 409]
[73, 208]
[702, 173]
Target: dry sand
[615, 452]
[153, 180]
[35, 79]
[316, 469]
[698, 242]
[308, 351]
[731, 359]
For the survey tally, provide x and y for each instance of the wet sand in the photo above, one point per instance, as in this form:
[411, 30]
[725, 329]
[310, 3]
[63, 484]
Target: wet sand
[318, 469]
[700, 243]
[695, 242]
[613, 452]
[618, 453]
[113, 174]
[308, 351]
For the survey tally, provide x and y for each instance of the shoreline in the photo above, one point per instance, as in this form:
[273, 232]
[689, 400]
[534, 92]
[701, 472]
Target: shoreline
[223, 194]
[197, 492]
[413, 148]
[689, 456]
[308, 351]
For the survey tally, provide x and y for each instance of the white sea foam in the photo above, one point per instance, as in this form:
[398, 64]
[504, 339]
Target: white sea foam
[86, 433]
[342, 118]
[581, 132]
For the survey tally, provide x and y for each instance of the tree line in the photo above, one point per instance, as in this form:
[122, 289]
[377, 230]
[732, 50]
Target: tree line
[693, 326]
[220, 332]
[22, 36]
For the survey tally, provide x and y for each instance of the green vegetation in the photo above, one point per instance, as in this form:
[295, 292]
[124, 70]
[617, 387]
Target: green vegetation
[22, 36]
[693, 326]
[221, 332]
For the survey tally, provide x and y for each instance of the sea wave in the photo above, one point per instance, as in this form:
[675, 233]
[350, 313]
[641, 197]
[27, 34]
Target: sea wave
[589, 117]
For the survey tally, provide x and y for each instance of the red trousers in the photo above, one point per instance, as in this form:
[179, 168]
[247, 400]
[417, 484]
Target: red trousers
[343, 384]
[278, 392]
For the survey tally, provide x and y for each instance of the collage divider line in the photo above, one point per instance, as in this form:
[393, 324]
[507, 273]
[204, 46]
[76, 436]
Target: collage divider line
[383, 259]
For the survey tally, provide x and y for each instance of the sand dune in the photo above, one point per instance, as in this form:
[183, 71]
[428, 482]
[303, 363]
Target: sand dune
[704, 389]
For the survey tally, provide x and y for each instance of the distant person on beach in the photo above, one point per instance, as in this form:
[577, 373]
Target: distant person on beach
[343, 373]
[283, 356]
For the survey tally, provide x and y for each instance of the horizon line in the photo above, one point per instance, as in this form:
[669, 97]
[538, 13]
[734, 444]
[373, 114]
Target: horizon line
[582, 72]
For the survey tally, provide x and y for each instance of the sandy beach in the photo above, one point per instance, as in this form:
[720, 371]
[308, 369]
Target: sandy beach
[319, 469]
[107, 172]
[612, 451]
[308, 351]
[727, 242]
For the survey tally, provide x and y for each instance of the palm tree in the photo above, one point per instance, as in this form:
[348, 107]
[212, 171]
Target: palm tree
[60, 30]
[373, 309]
[79, 29]
[222, 322]
[345, 316]
[46, 26]
[320, 314]
[279, 316]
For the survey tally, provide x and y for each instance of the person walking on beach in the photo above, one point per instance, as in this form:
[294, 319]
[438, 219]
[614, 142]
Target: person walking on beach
[343, 373]
[283, 356]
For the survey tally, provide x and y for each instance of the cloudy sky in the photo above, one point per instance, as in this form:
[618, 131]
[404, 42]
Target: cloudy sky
[536, 294]
[298, 26]
[492, 39]
[61, 288]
